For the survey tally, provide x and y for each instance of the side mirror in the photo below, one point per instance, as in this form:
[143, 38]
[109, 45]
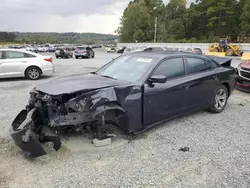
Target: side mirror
[158, 79]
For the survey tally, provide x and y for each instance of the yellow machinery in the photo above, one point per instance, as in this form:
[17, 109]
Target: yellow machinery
[224, 46]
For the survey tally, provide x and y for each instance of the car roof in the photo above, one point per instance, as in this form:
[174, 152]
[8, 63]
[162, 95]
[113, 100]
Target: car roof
[165, 54]
[19, 50]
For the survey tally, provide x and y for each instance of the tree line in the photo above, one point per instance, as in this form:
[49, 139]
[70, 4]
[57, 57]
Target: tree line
[200, 21]
[57, 38]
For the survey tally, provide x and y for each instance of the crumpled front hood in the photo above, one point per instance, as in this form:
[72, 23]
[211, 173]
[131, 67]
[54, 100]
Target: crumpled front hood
[245, 64]
[71, 84]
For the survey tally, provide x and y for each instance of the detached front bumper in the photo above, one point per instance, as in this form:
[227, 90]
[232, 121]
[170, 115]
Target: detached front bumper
[27, 134]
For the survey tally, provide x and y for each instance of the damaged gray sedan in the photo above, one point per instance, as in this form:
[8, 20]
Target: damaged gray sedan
[133, 92]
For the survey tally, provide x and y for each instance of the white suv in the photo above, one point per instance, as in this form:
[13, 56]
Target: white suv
[21, 63]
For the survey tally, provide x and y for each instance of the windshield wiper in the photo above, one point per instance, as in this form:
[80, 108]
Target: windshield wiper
[106, 76]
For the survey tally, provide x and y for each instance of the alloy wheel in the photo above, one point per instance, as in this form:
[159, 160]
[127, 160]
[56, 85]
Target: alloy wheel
[33, 73]
[220, 99]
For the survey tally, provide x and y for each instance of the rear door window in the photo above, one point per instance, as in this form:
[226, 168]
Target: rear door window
[14, 55]
[29, 55]
[196, 65]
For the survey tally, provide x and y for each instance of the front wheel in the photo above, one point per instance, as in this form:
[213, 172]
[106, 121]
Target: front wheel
[219, 100]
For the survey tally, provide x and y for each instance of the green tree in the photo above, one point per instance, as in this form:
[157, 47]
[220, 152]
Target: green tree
[7, 37]
[135, 23]
[245, 18]
[220, 16]
[203, 20]
[176, 21]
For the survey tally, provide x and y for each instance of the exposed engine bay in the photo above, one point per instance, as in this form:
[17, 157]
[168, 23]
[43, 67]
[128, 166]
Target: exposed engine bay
[46, 117]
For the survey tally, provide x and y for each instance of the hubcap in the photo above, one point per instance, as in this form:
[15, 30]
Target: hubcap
[33, 73]
[220, 99]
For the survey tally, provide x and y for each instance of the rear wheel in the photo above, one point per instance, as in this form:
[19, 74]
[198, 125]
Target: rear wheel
[229, 52]
[33, 73]
[76, 57]
[219, 100]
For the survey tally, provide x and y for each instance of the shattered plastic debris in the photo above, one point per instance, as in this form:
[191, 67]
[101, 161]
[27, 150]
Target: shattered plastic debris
[184, 149]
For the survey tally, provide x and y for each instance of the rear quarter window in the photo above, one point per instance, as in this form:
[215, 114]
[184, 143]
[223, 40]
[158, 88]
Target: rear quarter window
[29, 55]
[196, 65]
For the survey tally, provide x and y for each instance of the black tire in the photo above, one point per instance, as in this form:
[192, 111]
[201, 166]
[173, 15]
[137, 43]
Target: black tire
[76, 57]
[33, 73]
[218, 105]
[56, 57]
[229, 52]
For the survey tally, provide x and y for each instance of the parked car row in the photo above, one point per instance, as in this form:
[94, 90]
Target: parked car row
[78, 52]
[47, 47]
[35, 48]
[125, 49]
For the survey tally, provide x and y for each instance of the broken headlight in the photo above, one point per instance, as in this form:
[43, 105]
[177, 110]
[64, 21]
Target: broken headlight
[81, 105]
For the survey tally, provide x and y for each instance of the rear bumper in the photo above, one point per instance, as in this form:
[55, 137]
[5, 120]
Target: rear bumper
[27, 135]
[49, 71]
[81, 55]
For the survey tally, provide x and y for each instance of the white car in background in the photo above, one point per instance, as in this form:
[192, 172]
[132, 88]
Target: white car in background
[111, 50]
[22, 63]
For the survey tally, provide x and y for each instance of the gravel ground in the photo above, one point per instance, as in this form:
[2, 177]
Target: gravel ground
[219, 154]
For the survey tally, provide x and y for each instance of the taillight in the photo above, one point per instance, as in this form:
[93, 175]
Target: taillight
[48, 59]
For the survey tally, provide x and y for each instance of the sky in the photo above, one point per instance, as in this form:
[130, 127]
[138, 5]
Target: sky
[98, 16]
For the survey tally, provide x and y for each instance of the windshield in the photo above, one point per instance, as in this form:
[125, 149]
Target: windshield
[129, 68]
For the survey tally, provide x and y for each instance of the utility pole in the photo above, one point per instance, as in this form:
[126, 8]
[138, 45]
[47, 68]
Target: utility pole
[155, 29]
